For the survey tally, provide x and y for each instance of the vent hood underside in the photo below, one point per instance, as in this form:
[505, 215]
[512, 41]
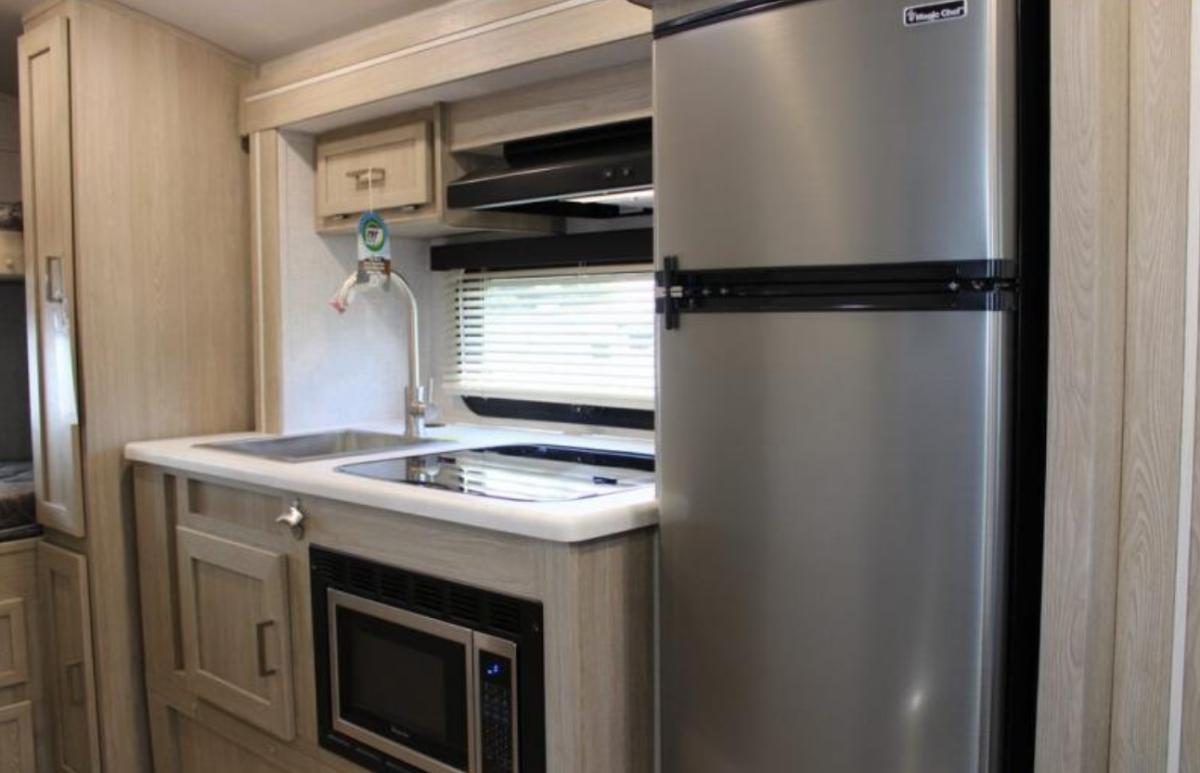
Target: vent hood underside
[601, 172]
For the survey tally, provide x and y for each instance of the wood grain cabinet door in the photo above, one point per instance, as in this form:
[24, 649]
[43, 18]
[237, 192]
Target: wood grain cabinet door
[16, 738]
[236, 628]
[50, 273]
[386, 169]
[62, 578]
[14, 652]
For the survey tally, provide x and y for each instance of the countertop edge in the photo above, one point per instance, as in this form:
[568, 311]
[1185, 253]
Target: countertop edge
[564, 522]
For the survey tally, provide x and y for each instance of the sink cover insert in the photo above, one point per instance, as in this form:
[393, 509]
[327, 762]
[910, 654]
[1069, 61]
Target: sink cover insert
[521, 473]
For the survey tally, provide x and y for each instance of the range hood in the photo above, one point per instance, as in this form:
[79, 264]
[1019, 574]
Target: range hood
[605, 171]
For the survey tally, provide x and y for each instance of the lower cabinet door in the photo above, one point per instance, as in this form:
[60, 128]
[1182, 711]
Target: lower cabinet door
[63, 580]
[16, 738]
[235, 621]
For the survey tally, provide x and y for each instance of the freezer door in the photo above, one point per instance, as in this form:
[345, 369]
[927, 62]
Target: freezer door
[832, 491]
[829, 132]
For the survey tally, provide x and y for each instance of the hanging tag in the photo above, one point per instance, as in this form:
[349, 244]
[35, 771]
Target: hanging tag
[374, 249]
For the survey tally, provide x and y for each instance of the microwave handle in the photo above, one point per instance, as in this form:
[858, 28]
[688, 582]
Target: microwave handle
[492, 645]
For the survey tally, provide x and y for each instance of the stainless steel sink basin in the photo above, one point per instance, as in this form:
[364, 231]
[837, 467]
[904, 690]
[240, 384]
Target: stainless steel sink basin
[319, 445]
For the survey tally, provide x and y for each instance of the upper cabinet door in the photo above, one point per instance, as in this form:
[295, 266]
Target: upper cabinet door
[50, 273]
[385, 169]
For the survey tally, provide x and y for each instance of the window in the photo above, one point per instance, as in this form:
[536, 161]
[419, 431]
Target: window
[559, 336]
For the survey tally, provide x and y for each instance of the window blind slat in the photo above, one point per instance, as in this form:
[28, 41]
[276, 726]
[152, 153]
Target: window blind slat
[580, 337]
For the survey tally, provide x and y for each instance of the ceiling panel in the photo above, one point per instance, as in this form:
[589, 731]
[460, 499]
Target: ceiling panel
[257, 30]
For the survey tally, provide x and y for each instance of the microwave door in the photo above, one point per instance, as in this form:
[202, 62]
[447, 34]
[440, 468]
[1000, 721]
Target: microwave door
[403, 684]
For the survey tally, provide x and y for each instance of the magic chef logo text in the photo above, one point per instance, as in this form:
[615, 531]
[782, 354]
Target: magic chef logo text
[934, 12]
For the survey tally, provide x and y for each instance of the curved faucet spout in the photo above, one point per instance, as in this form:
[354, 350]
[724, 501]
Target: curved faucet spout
[417, 398]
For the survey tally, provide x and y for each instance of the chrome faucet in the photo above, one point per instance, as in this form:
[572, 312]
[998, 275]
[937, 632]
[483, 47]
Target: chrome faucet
[418, 397]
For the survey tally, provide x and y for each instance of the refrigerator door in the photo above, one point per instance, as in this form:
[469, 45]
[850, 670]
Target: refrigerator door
[832, 491]
[830, 132]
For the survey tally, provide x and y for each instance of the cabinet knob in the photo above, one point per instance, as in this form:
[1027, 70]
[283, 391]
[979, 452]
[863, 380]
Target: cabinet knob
[293, 518]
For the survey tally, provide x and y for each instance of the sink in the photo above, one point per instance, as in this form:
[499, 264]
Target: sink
[319, 445]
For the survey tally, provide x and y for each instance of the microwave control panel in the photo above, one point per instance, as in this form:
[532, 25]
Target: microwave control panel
[496, 715]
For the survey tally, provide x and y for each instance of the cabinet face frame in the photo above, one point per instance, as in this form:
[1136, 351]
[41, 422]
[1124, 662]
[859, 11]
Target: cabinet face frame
[46, 170]
[70, 669]
[274, 711]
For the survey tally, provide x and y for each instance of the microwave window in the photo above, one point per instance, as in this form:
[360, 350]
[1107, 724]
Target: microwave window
[403, 684]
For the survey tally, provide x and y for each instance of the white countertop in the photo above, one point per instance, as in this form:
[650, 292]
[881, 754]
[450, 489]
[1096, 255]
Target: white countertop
[571, 521]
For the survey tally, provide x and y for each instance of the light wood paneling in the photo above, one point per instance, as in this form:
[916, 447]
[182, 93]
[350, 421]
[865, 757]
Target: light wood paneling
[14, 647]
[597, 599]
[421, 28]
[12, 253]
[1158, 162]
[23, 682]
[237, 629]
[161, 233]
[1089, 152]
[267, 281]
[599, 633]
[1190, 735]
[603, 96]
[1190, 709]
[375, 170]
[62, 577]
[546, 31]
[16, 738]
[51, 305]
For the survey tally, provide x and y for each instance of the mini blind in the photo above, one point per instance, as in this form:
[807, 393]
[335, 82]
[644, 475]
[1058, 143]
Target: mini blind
[555, 335]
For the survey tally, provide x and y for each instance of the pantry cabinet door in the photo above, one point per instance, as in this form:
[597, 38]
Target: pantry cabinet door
[236, 628]
[50, 273]
[62, 580]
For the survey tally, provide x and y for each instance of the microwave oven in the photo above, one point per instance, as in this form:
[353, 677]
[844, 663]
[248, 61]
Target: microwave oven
[416, 674]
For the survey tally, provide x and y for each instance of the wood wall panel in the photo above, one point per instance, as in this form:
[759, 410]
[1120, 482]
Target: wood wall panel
[1089, 141]
[162, 242]
[1190, 735]
[1154, 364]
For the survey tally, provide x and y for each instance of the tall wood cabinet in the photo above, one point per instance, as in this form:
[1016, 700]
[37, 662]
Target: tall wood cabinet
[137, 276]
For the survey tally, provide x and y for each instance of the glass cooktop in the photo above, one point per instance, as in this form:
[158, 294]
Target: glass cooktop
[522, 473]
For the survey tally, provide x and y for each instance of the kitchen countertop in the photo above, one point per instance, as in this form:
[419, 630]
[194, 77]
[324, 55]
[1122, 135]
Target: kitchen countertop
[570, 521]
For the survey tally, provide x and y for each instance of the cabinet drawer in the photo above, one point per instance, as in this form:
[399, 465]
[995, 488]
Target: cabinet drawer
[389, 169]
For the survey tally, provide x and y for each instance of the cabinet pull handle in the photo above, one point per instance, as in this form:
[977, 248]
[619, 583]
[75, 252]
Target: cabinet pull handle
[54, 279]
[364, 177]
[259, 630]
[75, 691]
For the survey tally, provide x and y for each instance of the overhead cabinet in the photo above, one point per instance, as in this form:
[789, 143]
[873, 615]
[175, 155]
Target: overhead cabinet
[384, 170]
[400, 167]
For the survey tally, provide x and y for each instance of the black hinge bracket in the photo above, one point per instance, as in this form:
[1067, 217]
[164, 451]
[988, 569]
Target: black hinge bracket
[934, 286]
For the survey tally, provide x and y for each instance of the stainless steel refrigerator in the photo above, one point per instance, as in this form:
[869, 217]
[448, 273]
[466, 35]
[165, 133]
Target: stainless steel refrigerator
[839, 227]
